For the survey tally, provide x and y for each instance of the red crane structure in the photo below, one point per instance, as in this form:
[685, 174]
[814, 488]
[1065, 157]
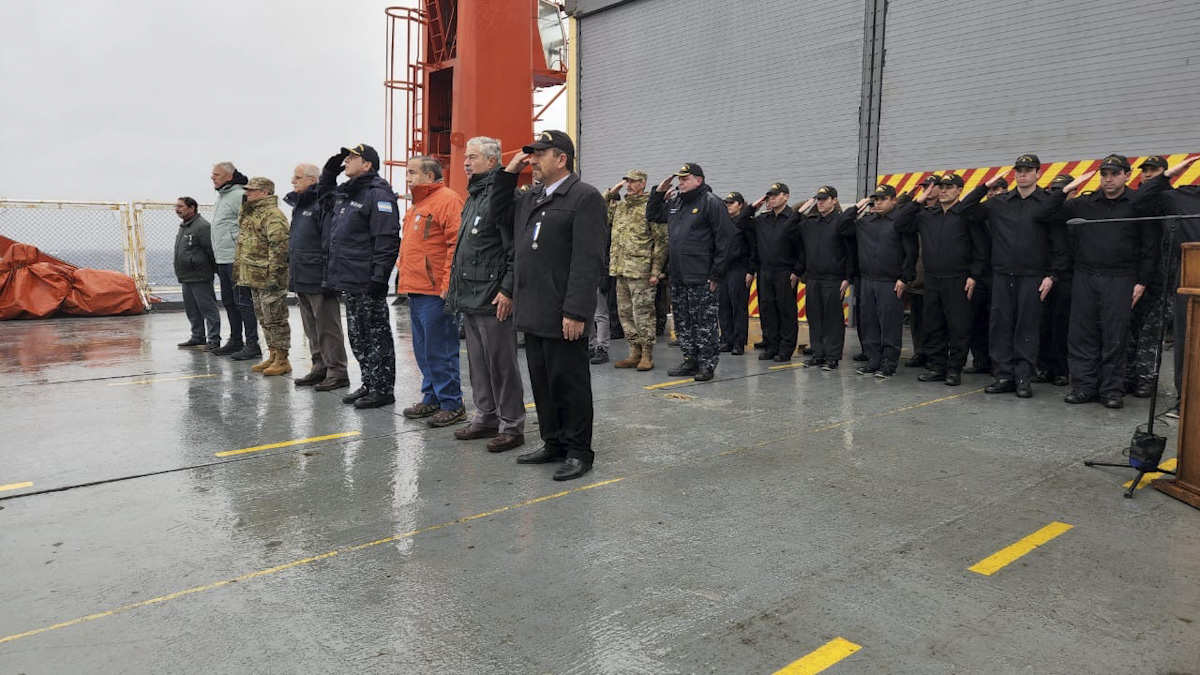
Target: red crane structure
[469, 68]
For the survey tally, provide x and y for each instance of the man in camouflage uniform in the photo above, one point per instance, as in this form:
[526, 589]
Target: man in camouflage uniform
[636, 258]
[261, 264]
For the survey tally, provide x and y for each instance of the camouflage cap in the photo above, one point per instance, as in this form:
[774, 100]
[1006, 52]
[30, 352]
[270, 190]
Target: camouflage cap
[636, 174]
[261, 183]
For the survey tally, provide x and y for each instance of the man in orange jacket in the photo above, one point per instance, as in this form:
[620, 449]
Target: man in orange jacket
[429, 235]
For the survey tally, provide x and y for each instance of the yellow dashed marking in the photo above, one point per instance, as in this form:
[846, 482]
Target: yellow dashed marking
[284, 444]
[818, 660]
[996, 561]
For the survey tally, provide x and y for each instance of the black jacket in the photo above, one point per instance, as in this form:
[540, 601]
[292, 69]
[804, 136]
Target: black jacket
[698, 234]
[824, 254]
[741, 241]
[953, 241]
[777, 242]
[194, 259]
[884, 253]
[559, 251]
[483, 258]
[1112, 249]
[308, 240]
[1026, 239]
[364, 234]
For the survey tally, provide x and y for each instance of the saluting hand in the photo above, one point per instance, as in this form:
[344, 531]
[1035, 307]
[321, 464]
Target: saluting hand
[806, 205]
[862, 203]
[665, 184]
[759, 202]
[1138, 290]
[1182, 166]
[991, 182]
[616, 189]
[504, 306]
[970, 287]
[518, 162]
[1044, 288]
[1079, 182]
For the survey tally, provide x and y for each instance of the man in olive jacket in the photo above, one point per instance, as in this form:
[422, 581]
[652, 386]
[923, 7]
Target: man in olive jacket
[195, 266]
[261, 264]
[481, 287]
[637, 258]
[559, 233]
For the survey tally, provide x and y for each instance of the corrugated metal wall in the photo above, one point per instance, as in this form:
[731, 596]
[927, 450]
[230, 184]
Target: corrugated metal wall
[754, 92]
[765, 90]
[976, 84]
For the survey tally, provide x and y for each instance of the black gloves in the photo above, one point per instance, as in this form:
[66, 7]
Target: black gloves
[378, 289]
[335, 163]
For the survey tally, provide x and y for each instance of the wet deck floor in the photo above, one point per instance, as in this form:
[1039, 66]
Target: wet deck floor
[733, 526]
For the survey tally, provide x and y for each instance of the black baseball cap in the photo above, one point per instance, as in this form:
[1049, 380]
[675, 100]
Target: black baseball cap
[932, 179]
[366, 152]
[690, 169]
[951, 179]
[1118, 162]
[1062, 180]
[883, 191]
[1027, 162]
[778, 188]
[826, 191]
[734, 197]
[1154, 160]
[552, 139]
[1001, 183]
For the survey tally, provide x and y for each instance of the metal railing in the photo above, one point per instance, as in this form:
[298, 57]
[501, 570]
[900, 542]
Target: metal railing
[134, 237]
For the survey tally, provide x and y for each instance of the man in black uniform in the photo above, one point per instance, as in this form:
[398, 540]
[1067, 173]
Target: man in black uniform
[887, 261]
[776, 258]
[956, 253]
[981, 306]
[698, 230]
[916, 290]
[1056, 316]
[1026, 249]
[559, 236]
[1113, 264]
[826, 266]
[1145, 326]
[734, 292]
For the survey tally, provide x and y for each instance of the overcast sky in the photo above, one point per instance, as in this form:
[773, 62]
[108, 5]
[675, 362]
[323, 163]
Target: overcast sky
[137, 99]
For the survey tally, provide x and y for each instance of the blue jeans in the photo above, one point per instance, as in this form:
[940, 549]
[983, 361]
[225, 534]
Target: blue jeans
[435, 345]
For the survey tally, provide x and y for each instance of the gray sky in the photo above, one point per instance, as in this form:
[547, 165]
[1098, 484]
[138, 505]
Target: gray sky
[137, 99]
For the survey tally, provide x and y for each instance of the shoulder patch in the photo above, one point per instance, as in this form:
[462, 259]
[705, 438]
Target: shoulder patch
[384, 206]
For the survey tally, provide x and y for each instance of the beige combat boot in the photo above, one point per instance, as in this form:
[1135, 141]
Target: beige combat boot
[635, 356]
[265, 364]
[281, 365]
[647, 362]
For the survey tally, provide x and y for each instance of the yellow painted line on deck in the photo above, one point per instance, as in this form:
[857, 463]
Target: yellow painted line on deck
[672, 383]
[996, 561]
[787, 365]
[825, 656]
[298, 563]
[1168, 465]
[284, 444]
[530, 406]
[929, 402]
[16, 486]
[165, 379]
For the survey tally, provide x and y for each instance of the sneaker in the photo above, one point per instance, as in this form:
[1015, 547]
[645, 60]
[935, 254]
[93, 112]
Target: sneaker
[420, 410]
[828, 366]
[600, 356]
[866, 370]
[193, 343]
[814, 362]
[444, 418]
[1173, 411]
[885, 373]
[231, 347]
[213, 345]
[249, 352]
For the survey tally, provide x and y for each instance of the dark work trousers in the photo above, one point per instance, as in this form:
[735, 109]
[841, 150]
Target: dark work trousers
[856, 309]
[1013, 332]
[882, 322]
[826, 325]
[981, 307]
[495, 373]
[1179, 305]
[561, 378]
[1056, 319]
[1145, 334]
[916, 321]
[1099, 328]
[200, 304]
[662, 306]
[370, 330]
[777, 310]
[949, 320]
[733, 297]
[321, 315]
[239, 306]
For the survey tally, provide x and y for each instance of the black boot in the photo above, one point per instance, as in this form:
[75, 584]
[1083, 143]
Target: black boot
[233, 346]
[250, 351]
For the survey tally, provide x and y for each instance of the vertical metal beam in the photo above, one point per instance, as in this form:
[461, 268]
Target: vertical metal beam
[875, 15]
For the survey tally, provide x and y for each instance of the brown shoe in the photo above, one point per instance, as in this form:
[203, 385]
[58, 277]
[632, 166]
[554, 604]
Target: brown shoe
[444, 418]
[420, 410]
[635, 357]
[331, 383]
[314, 377]
[506, 442]
[473, 431]
[647, 362]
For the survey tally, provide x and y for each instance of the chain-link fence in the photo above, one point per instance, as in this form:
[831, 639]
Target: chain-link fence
[136, 238]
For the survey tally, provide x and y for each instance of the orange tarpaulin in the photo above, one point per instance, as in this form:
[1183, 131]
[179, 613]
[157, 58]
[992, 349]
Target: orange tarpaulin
[34, 285]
